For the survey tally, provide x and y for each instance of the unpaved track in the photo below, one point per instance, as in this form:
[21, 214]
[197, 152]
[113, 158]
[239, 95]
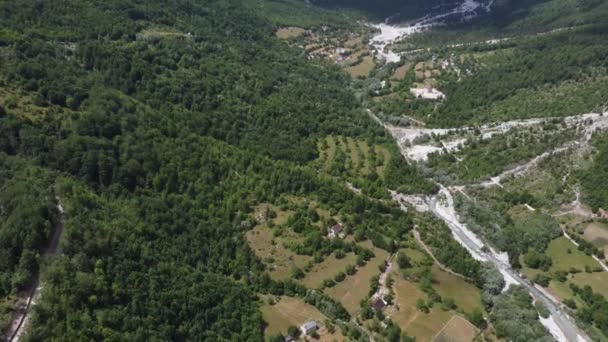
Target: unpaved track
[430, 252]
[27, 298]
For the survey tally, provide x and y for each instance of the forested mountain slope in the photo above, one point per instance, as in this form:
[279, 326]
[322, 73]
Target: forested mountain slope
[158, 126]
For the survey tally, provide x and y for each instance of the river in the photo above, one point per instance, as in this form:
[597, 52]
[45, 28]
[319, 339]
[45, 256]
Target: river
[561, 326]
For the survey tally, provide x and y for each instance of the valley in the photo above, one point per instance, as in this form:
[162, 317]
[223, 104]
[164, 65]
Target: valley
[317, 170]
[574, 136]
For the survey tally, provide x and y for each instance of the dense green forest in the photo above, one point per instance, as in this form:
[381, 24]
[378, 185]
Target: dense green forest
[159, 127]
[27, 216]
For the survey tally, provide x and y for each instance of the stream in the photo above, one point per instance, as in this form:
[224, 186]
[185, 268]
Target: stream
[561, 326]
[390, 34]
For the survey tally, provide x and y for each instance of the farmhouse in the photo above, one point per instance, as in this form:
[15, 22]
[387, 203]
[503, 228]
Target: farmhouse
[379, 304]
[341, 54]
[336, 231]
[309, 327]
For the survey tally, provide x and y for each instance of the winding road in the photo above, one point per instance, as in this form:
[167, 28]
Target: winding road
[565, 323]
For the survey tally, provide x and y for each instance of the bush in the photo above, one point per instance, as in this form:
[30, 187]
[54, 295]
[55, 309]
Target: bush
[293, 331]
[297, 273]
[542, 279]
[403, 261]
[569, 302]
[476, 317]
[328, 283]
[542, 310]
[351, 269]
[538, 261]
[449, 304]
[340, 254]
[421, 305]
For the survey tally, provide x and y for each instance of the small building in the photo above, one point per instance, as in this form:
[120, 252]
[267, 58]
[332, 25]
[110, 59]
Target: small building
[341, 54]
[336, 231]
[288, 338]
[309, 328]
[603, 213]
[379, 304]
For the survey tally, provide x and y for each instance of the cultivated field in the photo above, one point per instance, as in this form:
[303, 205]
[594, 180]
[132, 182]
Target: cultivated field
[290, 32]
[465, 295]
[290, 311]
[327, 269]
[354, 288]
[406, 295]
[355, 156]
[458, 329]
[425, 71]
[362, 69]
[426, 326]
[401, 71]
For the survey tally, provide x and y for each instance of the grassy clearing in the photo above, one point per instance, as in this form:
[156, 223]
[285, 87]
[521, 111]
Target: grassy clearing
[20, 102]
[597, 234]
[289, 32]
[597, 280]
[354, 288]
[290, 311]
[556, 288]
[362, 69]
[415, 255]
[273, 253]
[458, 329]
[158, 33]
[562, 260]
[281, 215]
[327, 270]
[465, 295]
[563, 291]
